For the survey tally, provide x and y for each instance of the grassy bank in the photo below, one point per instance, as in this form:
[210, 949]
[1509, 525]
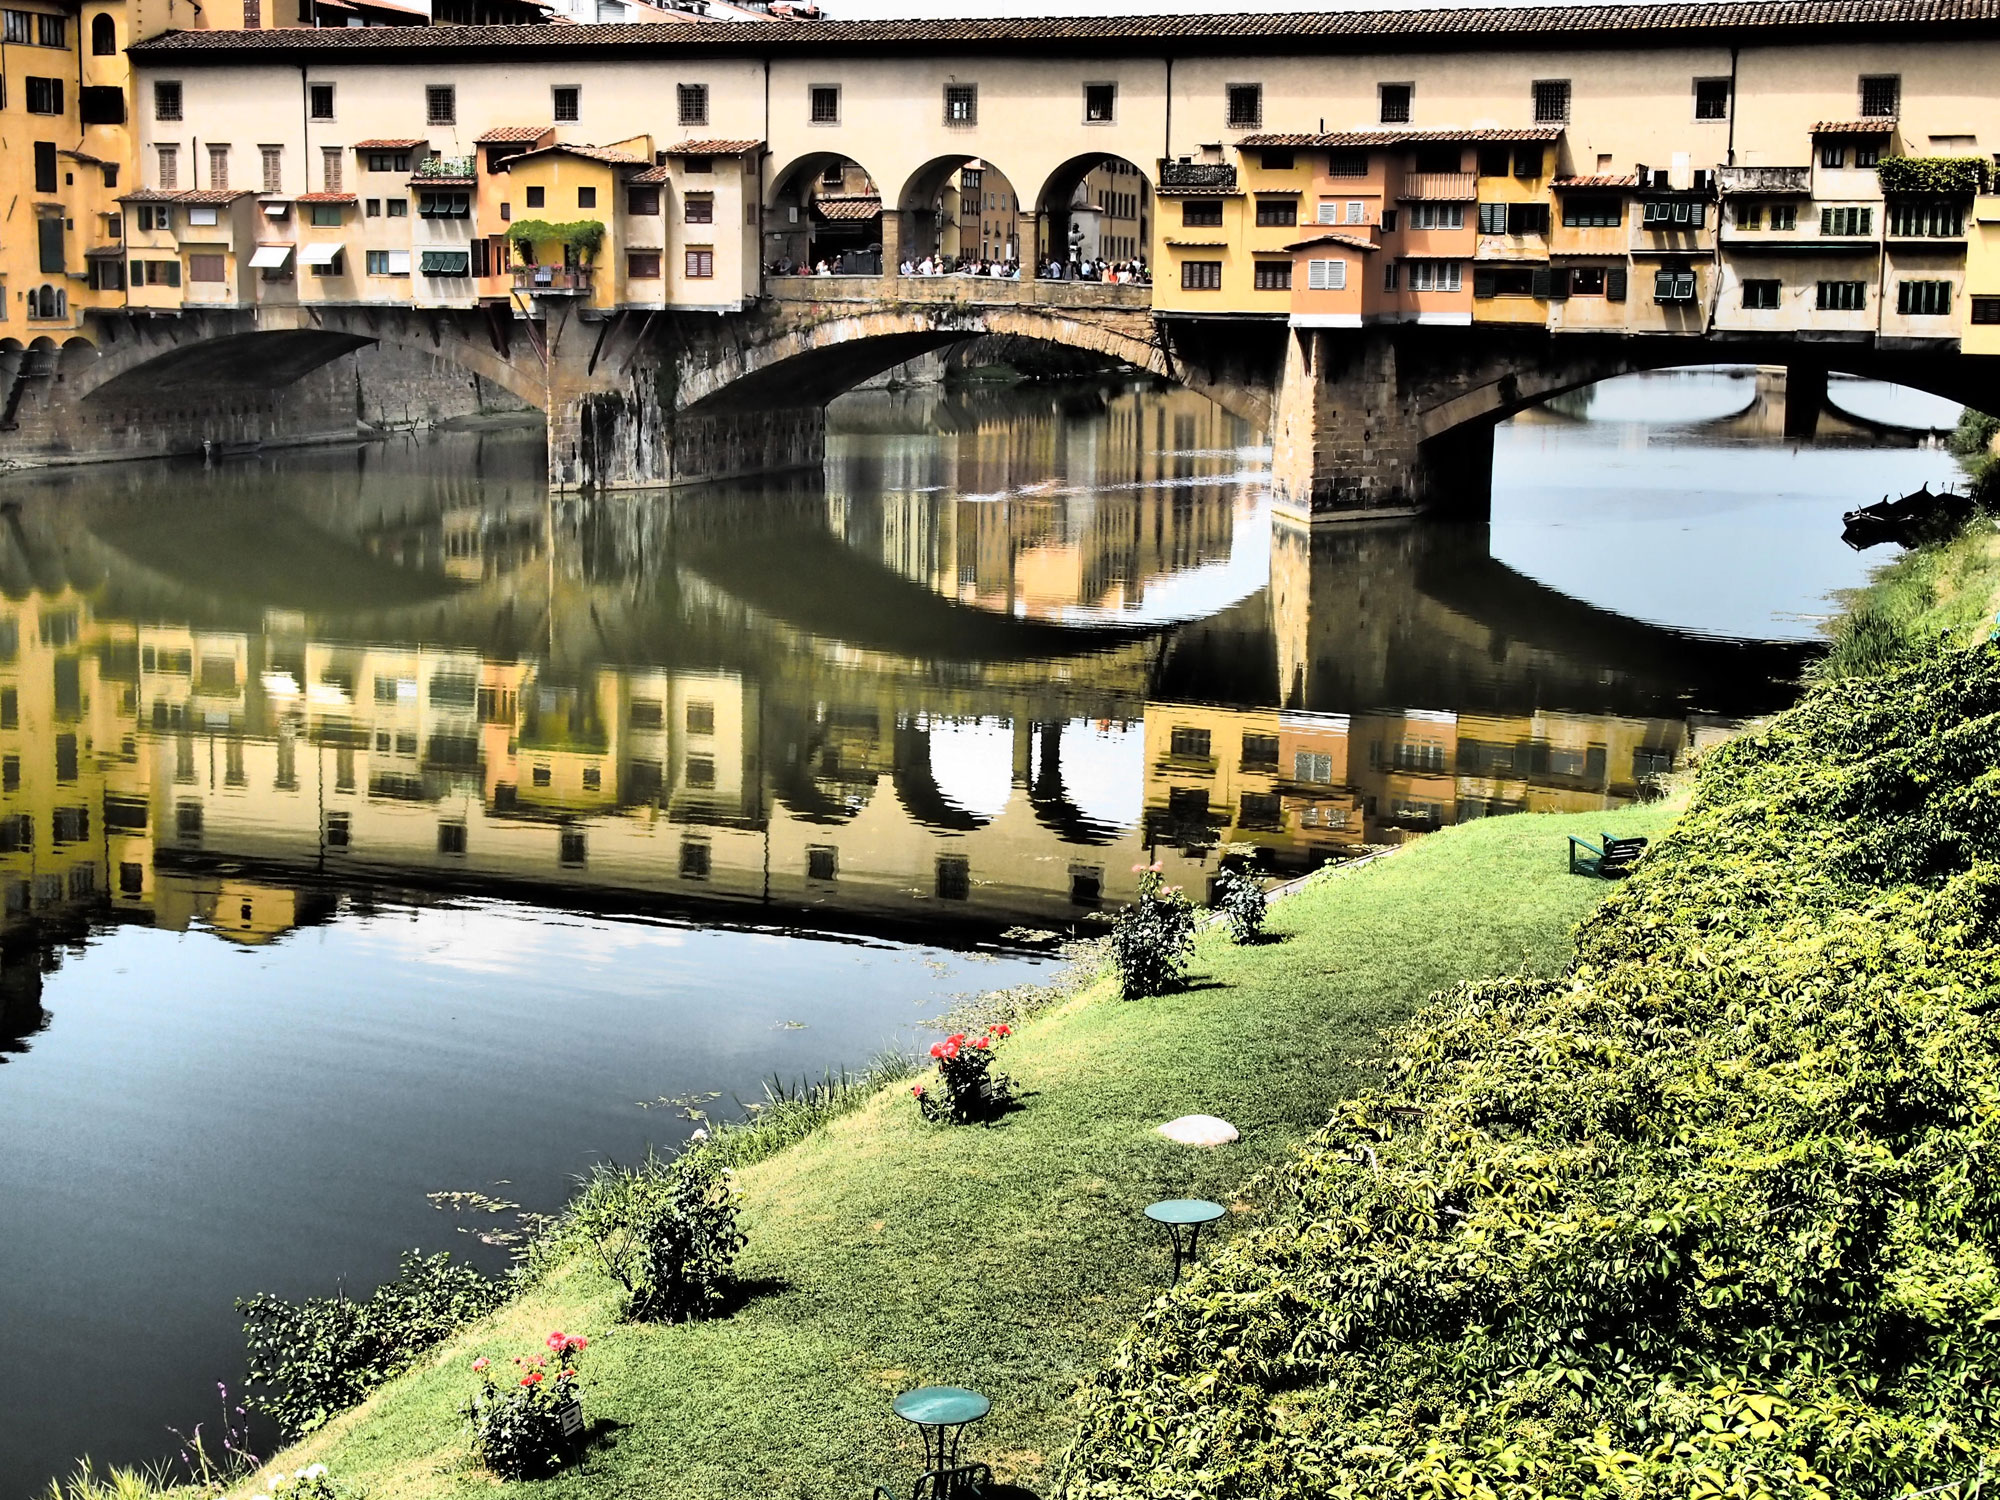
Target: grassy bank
[884, 1254]
[1949, 588]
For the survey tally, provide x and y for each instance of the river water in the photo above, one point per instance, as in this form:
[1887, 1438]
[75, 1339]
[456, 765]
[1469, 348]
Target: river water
[374, 824]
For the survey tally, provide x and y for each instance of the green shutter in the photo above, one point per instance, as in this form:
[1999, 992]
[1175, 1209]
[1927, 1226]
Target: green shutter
[446, 263]
[1542, 283]
[1614, 284]
[1484, 284]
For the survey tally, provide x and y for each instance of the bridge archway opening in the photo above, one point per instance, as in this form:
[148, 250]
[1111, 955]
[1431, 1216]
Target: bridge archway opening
[1748, 400]
[823, 208]
[962, 208]
[1094, 208]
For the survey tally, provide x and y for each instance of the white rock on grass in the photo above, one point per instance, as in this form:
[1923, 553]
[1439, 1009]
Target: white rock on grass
[1199, 1130]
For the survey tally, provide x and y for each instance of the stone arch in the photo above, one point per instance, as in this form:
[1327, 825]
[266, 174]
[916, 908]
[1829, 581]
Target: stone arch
[1055, 206]
[77, 355]
[930, 206]
[789, 221]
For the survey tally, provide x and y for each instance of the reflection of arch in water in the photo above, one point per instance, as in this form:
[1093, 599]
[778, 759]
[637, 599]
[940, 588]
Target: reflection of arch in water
[808, 777]
[1049, 795]
[954, 776]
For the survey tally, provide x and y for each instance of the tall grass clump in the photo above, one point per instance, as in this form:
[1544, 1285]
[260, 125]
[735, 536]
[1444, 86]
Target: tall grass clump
[788, 1113]
[1715, 1213]
[86, 1483]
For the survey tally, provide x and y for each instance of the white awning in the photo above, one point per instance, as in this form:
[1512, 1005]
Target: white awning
[319, 255]
[277, 210]
[270, 257]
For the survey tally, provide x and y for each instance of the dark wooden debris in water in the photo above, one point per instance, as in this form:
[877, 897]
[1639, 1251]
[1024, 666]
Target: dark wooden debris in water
[1917, 518]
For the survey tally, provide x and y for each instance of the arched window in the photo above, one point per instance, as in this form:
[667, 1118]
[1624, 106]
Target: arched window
[103, 36]
[48, 302]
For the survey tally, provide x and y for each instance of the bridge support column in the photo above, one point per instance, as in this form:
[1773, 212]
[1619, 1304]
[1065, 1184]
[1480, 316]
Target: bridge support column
[1805, 398]
[1349, 440]
[619, 440]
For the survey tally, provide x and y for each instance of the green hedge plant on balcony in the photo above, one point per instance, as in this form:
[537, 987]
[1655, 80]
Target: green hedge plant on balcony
[1934, 176]
[586, 234]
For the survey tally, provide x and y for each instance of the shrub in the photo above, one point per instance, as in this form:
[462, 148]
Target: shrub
[312, 1359]
[664, 1230]
[313, 1482]
[1973, 436]
[1153, 938]
[1240, 897]
[1716, 1213]
[1934, 176]
[517, 1419]
[967, 1088]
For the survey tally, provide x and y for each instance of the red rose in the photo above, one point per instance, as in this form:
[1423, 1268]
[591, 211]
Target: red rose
[531, 1377]
[1003, 1031]
[937, 1049]
[982, 1042]
[917, 1089]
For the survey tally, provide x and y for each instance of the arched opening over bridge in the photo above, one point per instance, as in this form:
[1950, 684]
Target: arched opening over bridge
[1094, 208]
[960, 208]
[823, 208]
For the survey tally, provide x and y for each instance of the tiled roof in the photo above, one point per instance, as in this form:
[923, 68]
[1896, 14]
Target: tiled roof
[1333, 237]
[661, 173]
[199, 198]
[1405, 137]
[326, 198]
[450, 182]
[1570, 184]
[610, 156]
[712, 148]
[387, 145]
[1855, 127]
[85, 158]
[853, 210]
[1768, 20]
[507, 134]
[1181, 244]
[1169, 190]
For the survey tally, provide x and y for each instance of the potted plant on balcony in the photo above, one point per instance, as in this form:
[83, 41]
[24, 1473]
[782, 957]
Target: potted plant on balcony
[579, 238]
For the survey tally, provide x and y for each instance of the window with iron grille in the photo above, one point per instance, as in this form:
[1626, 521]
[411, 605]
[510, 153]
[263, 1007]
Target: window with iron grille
[1551, 96]
[1760, 296]
[1711, 98]
[693, 102]
[1395, 99]
[1881, 95]
[1246, 105]
[1277, 211]
[320, 101]
[568, 102]
[1840, 222]
[1272, 276]
[961, 104]
[1926, 299]
[1347, 164]
[1842, 296]
[824, 104]
[441, 104]
[1100, 103]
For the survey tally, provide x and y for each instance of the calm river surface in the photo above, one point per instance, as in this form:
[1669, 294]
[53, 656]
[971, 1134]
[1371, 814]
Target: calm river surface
[373, 824]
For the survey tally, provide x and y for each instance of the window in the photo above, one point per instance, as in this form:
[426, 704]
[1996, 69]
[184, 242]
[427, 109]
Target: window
[822, 862]
[451, 838]
[330, 169]
[1833, 154]
[1086, 886]
[440, 104]
[372, 208]
[537, 197]
[1278, 161]
[954, 877]
[642, 265]
[1986, 309]
[1389, 221]
[1201, 275]
[571, 847]
[1551, 97]
[1527, 161]
[1935, 219]
[1278, 211]
[1593, 213]
[1843, 296]
[643, 202]
[388, 161]
[218, 166]
[444, 205]
[697, 166]
[1513, 218]
[45, 96]
[1841, 222]
[1784, 216]
[1246, 105]
[326, 215]
[388, 263]
[1749, 215]
[273, 159]
[699, 264]
[1711, 98]
[446, 263]
[1391, 273]
[1100, 103]
[1508, 281]
[156, 273]
[398, 208]
[1188, 744]
[319, 100]
[1674, 213]
[1867, 155]
[1760, 296]
[203, 217]
[698, 208]
[1395, 99]
[206, 268]
[701, 718]
[1923, 299]
[694, 859]
[20, 27]
[1671, 285]
[1586, 281]
[961, 104]
[1436, 275]
[568, 103]
[823, 104]
[1272, 276]
[693, 101]
[586, 197]
[1881, 96]
[1326, 275]
[1437, 215]
[52, 31]
[1201, 215]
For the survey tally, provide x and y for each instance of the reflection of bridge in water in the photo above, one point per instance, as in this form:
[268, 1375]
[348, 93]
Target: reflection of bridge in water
[467, 687]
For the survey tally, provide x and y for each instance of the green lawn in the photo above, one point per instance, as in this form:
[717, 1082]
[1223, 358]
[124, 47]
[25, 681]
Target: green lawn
[885, 1254]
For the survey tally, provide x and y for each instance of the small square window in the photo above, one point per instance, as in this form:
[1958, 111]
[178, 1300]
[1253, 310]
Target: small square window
[822, 862]
[693, 100]
[954, 877]
[320, 101]
[537, 197]
[540, 776]
[961, 104]
[586, 197]
[373, 208]
[1245, 105]
[568, 104]
[1396, 103]
[399, 208]
[694, 859]
[1760, 295]
[1711, 98]
[441, 104]
[823, 106]
[1086, 887]
[1100, 103]
[451, 838]
[571, 847]
[1881, 96]
[593, 778]
[1551, 96]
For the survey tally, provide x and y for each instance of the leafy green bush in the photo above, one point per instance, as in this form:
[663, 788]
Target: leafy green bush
[1973, 436]
[1714, 1214]
[310, 1360]
[1153, 938]
[664, 1230]
[1933, 176]
[1241, 899]
[517, 1418]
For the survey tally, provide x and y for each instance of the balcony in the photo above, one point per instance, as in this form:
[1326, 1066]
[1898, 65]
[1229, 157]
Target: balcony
[1178, 176]
[1736, 180]
[447, 166]
[1439, 187]
[553, 281]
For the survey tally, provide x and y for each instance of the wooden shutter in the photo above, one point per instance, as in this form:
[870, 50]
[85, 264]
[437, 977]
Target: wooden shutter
[1484, 284]
[1614, 284]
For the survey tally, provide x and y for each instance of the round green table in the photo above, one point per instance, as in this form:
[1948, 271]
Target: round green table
[1184, 1217]
[941, 1413]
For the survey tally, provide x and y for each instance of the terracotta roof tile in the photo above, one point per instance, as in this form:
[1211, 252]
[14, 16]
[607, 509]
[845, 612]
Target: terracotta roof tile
[1855, 127]
[610, 156]
[326, 198]
[852, 210]
[449, 182]
[1571, 184]
[1333, 237]
[1344, 29]
[712, 148]
[387, 145]
[202, 198]
[661, 173]
[508, 134]
[1405, 137]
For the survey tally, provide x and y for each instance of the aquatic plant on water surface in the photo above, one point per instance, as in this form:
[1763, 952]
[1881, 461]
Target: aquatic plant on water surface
[966, 1090]
[1153, 938]
[527, 1417]
[1715, 1213]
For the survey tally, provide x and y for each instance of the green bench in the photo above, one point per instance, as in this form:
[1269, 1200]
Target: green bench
[1609, 861]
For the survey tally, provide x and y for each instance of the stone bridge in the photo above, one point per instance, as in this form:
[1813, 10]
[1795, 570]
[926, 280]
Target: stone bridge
[1386, 419]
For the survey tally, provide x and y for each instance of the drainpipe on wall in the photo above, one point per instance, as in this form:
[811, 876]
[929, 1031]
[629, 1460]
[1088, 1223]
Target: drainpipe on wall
[1732, 125]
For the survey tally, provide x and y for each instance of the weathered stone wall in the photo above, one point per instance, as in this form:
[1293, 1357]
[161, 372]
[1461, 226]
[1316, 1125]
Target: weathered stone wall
[396, 386]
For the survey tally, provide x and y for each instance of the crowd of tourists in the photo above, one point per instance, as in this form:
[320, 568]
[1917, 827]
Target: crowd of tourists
[1123, 272]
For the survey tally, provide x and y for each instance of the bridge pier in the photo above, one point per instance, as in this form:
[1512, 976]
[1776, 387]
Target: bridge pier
[627, 439]
[1349, 439]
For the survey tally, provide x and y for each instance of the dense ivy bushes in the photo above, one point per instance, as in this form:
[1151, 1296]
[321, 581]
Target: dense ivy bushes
[1712, 1215]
